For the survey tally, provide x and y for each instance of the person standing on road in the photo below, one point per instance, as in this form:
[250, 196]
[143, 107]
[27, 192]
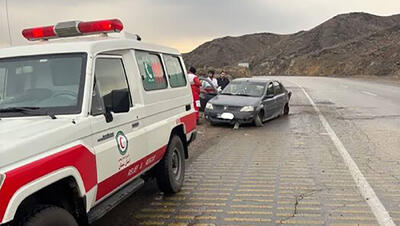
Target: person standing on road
[195, 85]
[211, 77]
[223, 80]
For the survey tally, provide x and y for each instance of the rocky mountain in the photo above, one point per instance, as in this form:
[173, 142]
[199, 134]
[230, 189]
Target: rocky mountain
[347, 44]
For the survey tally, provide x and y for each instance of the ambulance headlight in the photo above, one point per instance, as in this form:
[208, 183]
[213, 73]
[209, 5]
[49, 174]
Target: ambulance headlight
[209, 106]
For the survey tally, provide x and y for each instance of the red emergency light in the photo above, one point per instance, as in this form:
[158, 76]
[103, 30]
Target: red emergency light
[100, 26]
[73, 28]
[39, 33]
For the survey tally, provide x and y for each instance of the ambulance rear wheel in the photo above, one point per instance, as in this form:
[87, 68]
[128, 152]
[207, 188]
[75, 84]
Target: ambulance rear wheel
[49, 216]
[170, 171]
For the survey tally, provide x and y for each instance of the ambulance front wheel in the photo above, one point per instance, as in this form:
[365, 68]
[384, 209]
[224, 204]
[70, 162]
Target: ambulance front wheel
[170, 171]
[47, 215]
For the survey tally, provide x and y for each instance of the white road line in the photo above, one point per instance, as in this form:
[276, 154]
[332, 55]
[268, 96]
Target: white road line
[377, 208]
[369, 93]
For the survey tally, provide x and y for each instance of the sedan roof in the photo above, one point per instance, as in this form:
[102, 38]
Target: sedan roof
[255, 79]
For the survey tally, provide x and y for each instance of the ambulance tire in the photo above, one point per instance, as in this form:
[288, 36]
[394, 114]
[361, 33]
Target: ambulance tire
[170, 171]
[49, 216]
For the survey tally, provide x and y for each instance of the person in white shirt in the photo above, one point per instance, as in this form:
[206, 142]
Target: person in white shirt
[211, 77]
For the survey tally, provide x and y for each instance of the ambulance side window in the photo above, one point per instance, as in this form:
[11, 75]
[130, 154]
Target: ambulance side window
[151, 71]
[2, 83]
[109, 75]
[97, 102]
[175, 72]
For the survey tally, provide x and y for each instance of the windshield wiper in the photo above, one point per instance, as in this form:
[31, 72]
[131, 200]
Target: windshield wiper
[26, 109]
[230, 94]
[18, 109]
[243, 95]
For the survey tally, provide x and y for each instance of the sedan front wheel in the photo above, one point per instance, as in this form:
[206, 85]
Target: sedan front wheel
[258, 120]
[286, 109]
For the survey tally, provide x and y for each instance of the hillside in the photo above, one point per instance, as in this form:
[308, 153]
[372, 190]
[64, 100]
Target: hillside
[348, 44]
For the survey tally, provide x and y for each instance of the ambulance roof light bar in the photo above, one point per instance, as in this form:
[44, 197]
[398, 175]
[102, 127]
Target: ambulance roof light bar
[73, 28]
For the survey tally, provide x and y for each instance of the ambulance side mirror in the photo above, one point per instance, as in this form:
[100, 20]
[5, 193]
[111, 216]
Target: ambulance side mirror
[117, 101]
[120, 101]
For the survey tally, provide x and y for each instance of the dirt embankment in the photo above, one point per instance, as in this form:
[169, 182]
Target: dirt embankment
[348, 44]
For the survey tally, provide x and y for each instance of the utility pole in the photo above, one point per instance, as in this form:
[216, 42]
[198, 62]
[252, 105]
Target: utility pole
[8, 23]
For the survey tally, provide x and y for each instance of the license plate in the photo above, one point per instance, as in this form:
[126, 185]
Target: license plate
[226, 115]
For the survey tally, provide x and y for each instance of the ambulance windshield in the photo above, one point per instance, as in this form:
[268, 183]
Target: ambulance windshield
[42, 84]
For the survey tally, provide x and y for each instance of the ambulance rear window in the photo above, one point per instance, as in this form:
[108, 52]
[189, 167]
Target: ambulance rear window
[151, 71]
[175, 72]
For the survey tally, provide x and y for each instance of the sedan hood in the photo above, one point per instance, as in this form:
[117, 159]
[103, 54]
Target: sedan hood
[23, 138]
[238, 101]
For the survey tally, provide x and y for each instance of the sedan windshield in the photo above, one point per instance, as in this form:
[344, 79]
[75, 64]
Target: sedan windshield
[244, 88]
[39, 85]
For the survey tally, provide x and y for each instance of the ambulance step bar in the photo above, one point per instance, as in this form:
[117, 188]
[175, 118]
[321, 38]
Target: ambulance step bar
[109, 203]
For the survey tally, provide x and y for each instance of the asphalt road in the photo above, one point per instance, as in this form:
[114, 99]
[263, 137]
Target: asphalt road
[293, 170]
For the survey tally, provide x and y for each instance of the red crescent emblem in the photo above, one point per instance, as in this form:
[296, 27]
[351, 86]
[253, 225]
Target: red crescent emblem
[121, 143]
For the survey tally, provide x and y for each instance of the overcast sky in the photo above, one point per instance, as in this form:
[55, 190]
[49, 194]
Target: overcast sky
[185, 24]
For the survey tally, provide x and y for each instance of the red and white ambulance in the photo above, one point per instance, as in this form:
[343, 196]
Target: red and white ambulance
[85, 119]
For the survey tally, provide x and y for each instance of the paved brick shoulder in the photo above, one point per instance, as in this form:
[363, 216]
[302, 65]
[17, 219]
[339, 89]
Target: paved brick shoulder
[287, 172]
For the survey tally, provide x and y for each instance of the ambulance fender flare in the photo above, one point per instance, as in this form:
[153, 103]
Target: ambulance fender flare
[31, 188]
[180, 132]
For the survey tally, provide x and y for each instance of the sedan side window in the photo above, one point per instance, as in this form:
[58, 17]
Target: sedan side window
[205, 84]
[277, 87]
[270, 89]
[207, 87]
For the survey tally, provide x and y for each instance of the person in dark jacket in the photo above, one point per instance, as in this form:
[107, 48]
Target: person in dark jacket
[223, 81]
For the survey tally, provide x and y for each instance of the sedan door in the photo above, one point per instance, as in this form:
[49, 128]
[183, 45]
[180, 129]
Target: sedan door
[269, 102]
[207, 92]
[280, 98]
